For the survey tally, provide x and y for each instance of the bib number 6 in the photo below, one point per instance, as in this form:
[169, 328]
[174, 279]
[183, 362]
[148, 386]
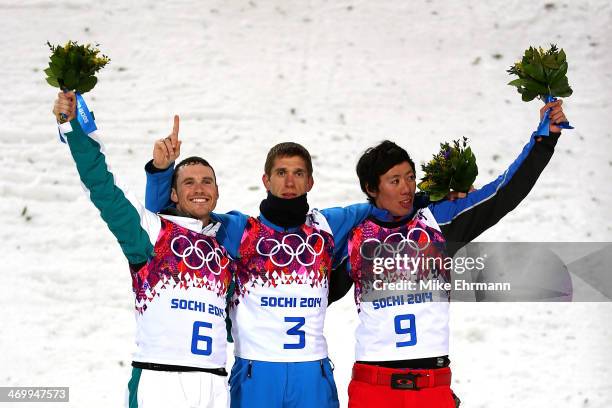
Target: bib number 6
[405, 324]
[295, 331]
[200, 344]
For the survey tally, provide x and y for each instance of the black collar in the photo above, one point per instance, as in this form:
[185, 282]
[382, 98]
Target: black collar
[285, 212]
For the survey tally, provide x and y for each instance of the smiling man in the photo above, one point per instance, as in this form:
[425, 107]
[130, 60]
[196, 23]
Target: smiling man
[283, 261]
[180, 275]
[194, 189]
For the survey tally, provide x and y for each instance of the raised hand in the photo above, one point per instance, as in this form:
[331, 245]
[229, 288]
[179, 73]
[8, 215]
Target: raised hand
[168, 149]
[453, 195]
[65, 104]
[556, 114]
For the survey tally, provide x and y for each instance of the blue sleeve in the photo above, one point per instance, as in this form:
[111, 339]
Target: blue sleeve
[157, 192]
[342, 220]
[231, 231]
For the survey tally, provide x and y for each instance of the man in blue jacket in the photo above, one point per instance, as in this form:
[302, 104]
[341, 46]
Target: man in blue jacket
[284, 257]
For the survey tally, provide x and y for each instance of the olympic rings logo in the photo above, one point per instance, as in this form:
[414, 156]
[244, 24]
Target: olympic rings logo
[306, 247]
[205, 255]
[393, 246]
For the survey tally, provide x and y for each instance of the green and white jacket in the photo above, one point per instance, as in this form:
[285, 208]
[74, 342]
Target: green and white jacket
[180, 274]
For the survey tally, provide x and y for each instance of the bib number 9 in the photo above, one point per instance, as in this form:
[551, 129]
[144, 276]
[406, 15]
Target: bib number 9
[201, 345]
[405, 324]
[295, 331]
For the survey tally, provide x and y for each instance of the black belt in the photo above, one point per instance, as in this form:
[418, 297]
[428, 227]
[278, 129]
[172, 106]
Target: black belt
[402, 379]
[423, 363]
[167, 367]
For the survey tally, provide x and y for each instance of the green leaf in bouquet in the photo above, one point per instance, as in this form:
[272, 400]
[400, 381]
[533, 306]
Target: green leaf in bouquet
[529, 56]
[465, 174]
[536, 87]
[535, 71]
[53, 82]
[86, 84]
[455, 164]
[528, 95]
[70, 79]
[536, 57]
[456, 184]
[517, 82]
[560, 87]
[559, 75]
[49, 72]
[549, 61]
[468, 153]
[438, 195]
[57, 69]
[529, 85]
[436, 192]
[72, 57]
[564, 93]
[561, 57]
[57, 61]
[470, 158]
[464, 178]
[425, 185]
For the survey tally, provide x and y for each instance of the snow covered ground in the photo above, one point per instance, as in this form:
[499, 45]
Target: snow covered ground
[336, 76]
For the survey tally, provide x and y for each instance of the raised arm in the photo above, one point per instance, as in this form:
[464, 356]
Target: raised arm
[464, 219]
[134, 227]
[159, 173]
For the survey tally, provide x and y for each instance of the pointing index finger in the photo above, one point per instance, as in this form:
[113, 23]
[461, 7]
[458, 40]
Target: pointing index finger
[173, 137]
[175, 127]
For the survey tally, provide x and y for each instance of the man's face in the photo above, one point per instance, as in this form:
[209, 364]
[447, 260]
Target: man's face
[288, 178]
[396, 190]
[196, 191]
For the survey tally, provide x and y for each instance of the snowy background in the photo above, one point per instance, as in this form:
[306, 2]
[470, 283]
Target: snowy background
[336, 76]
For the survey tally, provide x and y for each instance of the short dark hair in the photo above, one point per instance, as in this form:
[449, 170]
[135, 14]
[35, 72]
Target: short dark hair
[376, 161]
[287, 149]
[189, 161]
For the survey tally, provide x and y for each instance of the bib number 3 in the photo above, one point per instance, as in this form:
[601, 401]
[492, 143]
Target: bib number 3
[295, 331]
[405, 324]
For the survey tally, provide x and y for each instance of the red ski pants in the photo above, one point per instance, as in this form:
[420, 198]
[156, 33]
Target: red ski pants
[373, 386]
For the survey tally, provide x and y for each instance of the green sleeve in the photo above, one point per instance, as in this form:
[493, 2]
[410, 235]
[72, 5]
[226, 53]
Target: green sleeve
[121, 214]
